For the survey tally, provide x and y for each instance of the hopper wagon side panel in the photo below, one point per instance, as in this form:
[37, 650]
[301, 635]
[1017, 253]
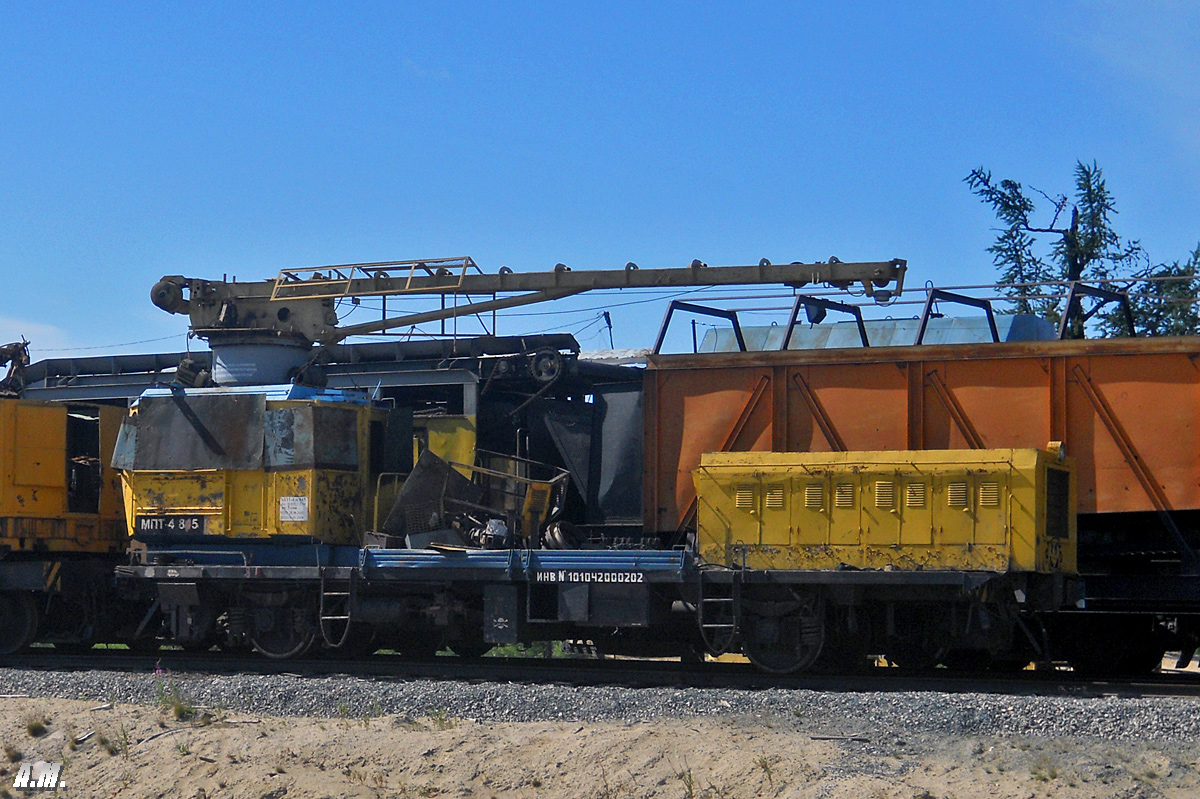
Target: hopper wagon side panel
[1127, 411]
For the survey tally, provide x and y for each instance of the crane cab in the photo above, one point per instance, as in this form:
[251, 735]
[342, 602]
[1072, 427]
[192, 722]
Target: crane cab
[57, 492]
[250, 463]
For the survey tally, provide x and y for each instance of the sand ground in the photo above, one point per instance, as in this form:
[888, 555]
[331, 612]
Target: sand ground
[146, 751]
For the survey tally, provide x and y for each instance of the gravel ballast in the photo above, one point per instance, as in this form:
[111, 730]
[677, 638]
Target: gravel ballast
[892, 713]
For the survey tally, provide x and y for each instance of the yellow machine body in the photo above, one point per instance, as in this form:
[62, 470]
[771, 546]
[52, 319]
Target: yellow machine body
[993, 510]
[294, 494]
[57, 490]
[451, 438]
[245, 503]
[319, 474]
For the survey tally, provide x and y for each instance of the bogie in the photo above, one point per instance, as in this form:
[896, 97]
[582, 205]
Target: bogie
[18, 621]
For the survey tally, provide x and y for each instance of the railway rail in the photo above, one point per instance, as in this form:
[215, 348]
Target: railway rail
[616, 673]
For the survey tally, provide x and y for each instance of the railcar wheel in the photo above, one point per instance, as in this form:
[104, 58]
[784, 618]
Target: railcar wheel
[18, 622]
[1139, 658]
[416, 650]
[848, 643]
[282, 633]
[967, 660]
[786, 636]
[470, 648]
[361, 642]
[1115, 646]
[144, 644]
[922, 639]
[74, 647]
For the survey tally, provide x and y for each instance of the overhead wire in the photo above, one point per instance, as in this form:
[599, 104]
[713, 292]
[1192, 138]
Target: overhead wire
[109, 346]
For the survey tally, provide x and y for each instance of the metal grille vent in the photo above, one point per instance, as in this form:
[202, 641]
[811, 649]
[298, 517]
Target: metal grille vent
[423, 517]
[914, 495]
[843, 495]
[885, 494]
[774, 497]
[989, 495]
[743, 497]
[814, 495]
[538, 500]
[956, 494]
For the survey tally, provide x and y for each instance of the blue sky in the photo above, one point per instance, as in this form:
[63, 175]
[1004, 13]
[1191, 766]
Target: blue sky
[208, 138]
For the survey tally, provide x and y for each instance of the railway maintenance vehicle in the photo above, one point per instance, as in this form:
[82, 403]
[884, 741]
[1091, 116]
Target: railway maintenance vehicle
[963, 503]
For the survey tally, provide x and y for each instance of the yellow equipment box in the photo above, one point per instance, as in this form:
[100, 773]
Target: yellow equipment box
[257, 462]
[977, 510]
[57, 491]
[249, 465]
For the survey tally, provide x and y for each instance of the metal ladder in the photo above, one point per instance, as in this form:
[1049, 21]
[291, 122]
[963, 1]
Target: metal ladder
[336, 606]
[717, 612]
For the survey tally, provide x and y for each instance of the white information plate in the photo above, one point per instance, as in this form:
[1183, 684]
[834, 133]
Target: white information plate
[293, 509]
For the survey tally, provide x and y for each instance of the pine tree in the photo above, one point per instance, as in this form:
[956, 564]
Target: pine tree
[1020, 269]
[1088, 248]
[1163, 300]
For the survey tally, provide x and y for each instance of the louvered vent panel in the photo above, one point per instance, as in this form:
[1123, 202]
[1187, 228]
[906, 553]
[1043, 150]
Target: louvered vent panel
[885, 494]
[843, 496]
[743, 497]
[814, 495]
[956, 494]
[914, 495]
[775, 496]
[989, 495]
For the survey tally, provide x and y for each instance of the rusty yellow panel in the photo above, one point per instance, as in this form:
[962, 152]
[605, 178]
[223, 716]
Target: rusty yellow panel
[880, 513]
[128, 501]
[1021, 497]
[384, 490]
[290, 499]
[41, 451]
[710, 504]
[12, 497]
[244, 499]
[810, 508]
[8, 413]
[953, 523]
[774, 510]
[451, 438]
[536, 506]
[39, 460]
[321, 503]
[167, 494]
[915, 498]
[990, 492]
[729, 526]
[34, 513]
[76, 533]
[845, 515]
[111, 507]
[340, 507]
[994, 510]
[331, 505]
[180, 492]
